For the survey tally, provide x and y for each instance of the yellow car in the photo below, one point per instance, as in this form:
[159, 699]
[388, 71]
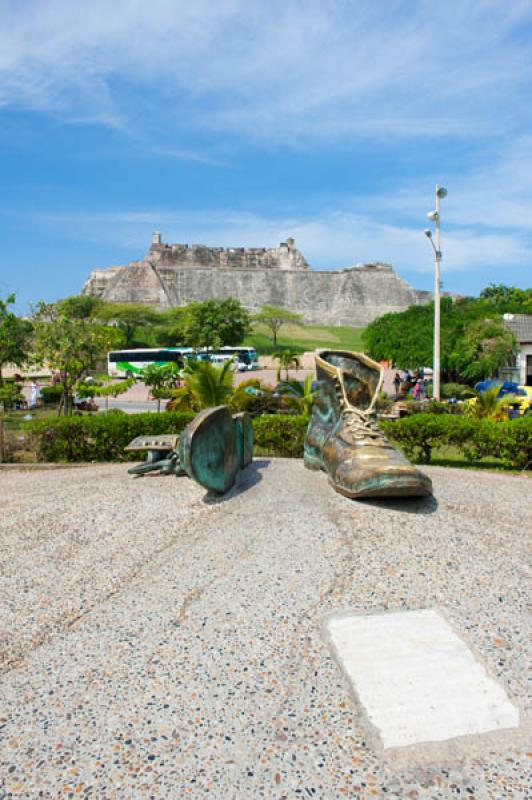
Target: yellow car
[513, 400]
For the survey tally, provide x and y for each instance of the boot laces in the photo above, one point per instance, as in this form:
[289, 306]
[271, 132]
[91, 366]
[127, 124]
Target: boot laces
[361, 423]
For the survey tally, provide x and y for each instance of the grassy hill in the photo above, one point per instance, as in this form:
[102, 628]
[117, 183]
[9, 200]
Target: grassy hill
[308, 337]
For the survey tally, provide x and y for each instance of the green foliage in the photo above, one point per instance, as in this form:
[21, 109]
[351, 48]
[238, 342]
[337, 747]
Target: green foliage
[471, 344]
[14, 335]
[129, 318]
[206, 385]
[280, 434]
[51, 394]
[100, 437]
[168, 330]
[80, 306]
[286, 358]
[458, 390]
[162, 380]
[508, 299]
[103, 437]
[274, 318]
[10, 394]
[254, 397]
[509, 441]
[72, 346]
[215, 323]
[104, 387]
[485, 346]
[487, 404]
[299, 392]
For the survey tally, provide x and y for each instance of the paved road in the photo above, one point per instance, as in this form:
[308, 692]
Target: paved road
[161, 644]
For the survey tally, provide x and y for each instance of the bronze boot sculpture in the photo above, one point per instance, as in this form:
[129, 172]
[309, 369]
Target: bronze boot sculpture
[343, 437]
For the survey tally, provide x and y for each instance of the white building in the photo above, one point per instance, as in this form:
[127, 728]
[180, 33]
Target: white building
[521, 327]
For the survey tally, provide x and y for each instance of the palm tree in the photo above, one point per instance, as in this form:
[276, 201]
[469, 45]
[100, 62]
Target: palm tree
[300, 392]
[488, 404]
[286, 359]
[205, 386]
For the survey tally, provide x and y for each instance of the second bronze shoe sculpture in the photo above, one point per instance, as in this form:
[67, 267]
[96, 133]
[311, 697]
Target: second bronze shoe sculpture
[343, 437]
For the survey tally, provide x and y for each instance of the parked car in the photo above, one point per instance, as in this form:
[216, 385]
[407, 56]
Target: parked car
[519, 397]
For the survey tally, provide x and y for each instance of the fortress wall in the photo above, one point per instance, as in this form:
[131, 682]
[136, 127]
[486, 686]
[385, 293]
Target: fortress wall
[349, 297]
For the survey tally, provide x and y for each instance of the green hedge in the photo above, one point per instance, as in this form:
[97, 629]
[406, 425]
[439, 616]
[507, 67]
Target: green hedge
[280, 434]
[511, 441]
[102, 437]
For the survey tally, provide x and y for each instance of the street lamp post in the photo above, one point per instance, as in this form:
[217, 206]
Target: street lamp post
[435, 216]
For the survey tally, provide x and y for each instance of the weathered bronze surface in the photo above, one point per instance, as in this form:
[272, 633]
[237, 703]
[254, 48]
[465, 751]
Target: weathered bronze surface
[207, 449]
[243, 438]
[211, 449]
[343, 437]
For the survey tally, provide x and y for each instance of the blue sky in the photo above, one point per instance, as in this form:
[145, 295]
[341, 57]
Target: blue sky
[240, 122]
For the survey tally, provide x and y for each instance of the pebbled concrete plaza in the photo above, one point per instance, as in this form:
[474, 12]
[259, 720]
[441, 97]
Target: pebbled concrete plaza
[158, 643]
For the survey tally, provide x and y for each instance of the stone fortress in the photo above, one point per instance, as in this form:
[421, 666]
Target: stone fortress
[175, 274]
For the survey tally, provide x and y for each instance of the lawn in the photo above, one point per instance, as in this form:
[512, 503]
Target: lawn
[308, 337]
[449, 456]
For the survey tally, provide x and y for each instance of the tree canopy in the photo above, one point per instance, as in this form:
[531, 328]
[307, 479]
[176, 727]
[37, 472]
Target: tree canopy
[471, 329]
[80, 306]
[71, 345]
[128, 318]
[274, 317]
[15, 335]
[215, 323]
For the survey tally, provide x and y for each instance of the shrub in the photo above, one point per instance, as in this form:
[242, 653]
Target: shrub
[102, 437]
[509, 441]
[10, 395]
[458, 390]
[51, 394]
[281, 434]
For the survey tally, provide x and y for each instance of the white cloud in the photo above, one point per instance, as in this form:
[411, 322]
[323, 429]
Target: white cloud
[285, 69]
[332, 241]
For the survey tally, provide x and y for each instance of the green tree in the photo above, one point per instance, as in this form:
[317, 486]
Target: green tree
[508, 299]
[274, 317]
[80, 306]
[169, 329]
[488, 405]
[407, 337]
[215, 323]
[129, 319]
[286, 358]
[485, 346]
[72, 346]
[205, 386]
[15, 335]
[10, 394]
[162, 380]
[105, 388]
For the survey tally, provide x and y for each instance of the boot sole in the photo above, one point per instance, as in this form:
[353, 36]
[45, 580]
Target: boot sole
[397, 487]
[215, 446]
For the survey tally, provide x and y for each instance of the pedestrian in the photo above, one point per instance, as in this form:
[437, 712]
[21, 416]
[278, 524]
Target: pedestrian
[397, 384]
[35, 394]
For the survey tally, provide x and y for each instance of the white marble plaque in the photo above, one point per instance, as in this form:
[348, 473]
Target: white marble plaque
[416, 679]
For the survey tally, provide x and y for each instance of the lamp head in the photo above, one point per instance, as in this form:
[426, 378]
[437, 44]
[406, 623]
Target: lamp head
[428, 233]
[433, 216]
[441, 192]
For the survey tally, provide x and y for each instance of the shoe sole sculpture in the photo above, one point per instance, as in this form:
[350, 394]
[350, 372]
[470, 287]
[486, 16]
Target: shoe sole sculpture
[343, 437]
[215, 446]
[211, 450]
